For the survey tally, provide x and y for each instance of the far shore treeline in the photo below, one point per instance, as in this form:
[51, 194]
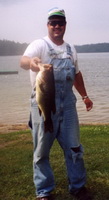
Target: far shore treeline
[11, 48]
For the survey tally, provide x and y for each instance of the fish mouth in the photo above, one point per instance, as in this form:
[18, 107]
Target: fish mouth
[45, 66]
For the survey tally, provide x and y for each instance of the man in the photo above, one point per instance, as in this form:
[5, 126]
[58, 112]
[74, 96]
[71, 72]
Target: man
[52, 49]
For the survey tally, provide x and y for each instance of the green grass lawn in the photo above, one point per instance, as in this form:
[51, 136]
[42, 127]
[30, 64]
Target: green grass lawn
[16, 175]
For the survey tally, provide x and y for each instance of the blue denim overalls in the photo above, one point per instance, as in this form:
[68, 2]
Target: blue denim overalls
[66, 130]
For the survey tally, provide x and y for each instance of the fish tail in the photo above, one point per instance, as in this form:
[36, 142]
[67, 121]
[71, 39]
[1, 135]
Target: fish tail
[54, 109]
[48, 126]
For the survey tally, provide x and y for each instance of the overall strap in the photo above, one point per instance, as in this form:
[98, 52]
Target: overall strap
[52, 51]
[69, 51]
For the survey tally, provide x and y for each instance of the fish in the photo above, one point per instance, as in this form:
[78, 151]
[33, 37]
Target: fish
[45, 95]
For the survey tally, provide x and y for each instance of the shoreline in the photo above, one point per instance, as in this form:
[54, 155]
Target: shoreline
[7, 128]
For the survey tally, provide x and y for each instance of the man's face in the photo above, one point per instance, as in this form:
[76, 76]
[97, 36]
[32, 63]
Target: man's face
[56, 28]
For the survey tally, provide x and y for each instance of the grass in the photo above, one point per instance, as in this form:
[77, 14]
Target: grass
[16, 165]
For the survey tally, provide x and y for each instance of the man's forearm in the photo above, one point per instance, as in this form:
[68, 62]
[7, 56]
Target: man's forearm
[30, 63]
[25, 62]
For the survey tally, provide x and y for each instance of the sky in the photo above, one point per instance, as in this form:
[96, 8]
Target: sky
[26, 20]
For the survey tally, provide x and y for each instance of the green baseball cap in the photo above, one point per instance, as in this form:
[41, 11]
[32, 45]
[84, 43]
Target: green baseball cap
[56, 12]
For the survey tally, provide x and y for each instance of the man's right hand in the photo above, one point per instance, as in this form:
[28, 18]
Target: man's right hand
[34, 64]
[30, 63]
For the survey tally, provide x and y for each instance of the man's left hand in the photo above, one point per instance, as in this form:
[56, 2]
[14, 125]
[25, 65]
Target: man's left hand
[88, 103]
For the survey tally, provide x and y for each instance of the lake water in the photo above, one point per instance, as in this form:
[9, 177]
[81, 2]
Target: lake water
[15, 90]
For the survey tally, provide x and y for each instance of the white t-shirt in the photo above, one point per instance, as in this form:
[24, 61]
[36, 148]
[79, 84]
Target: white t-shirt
[39, 48]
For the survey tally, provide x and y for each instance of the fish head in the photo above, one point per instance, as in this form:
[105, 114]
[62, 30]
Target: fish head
[45, 74]
[44, 67]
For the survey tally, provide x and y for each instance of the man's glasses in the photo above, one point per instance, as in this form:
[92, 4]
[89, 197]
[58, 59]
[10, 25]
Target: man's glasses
[54, 23]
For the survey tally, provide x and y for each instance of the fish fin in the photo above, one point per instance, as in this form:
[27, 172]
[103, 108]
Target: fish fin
[42, 87]
[48, 126]
[40, 112]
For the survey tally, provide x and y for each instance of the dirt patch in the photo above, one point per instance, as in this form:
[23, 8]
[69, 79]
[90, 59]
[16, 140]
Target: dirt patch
[7, 128]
